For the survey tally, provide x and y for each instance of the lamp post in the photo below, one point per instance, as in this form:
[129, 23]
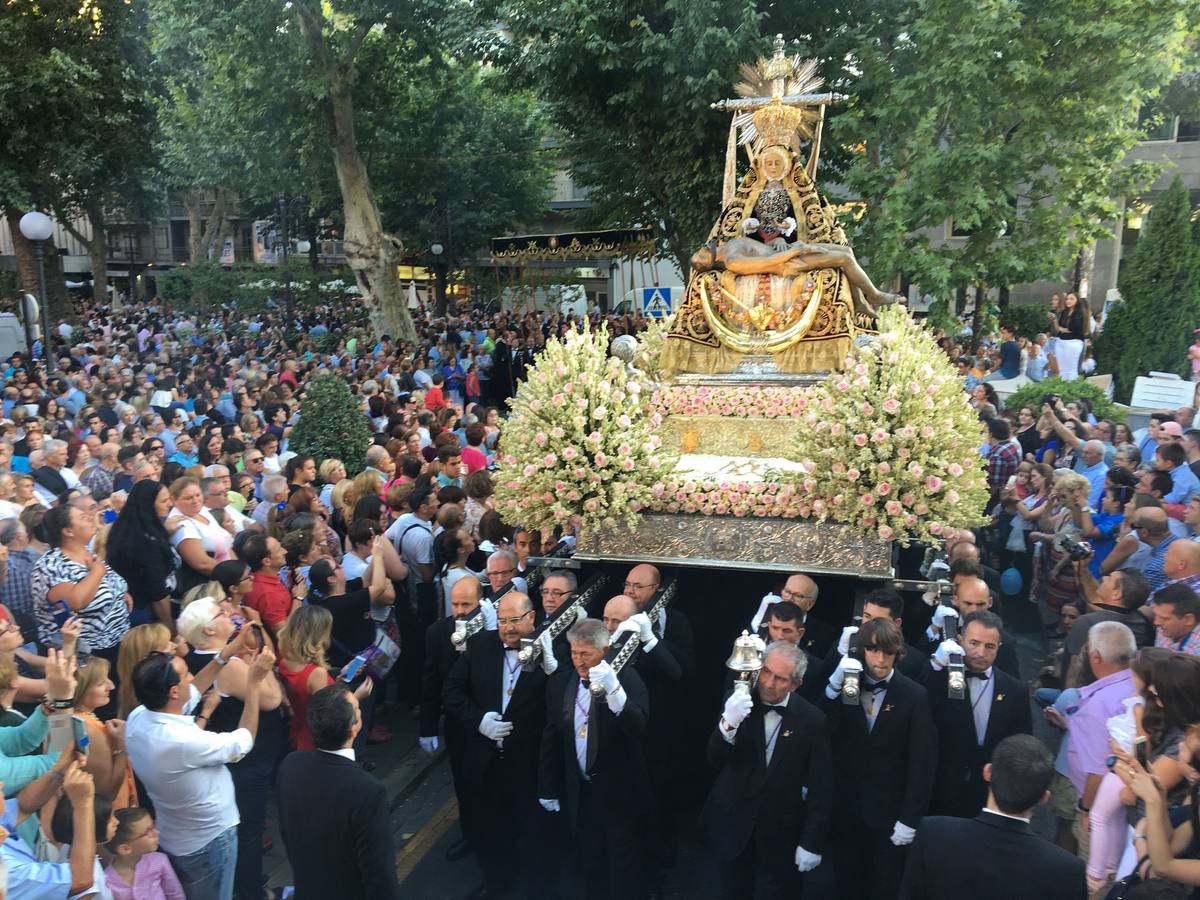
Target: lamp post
[287, 280]
[37, 227]
[437, 249]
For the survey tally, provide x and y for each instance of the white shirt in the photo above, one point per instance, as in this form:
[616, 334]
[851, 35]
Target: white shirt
[344, 753]
[872, 701]
[981, 693]
[49, 499]
[183, 769]
[508, 677]
[583, 712]
[772, 723]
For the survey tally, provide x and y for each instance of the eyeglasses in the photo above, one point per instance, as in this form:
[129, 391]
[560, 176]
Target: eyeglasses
[549, 593]
[792, 595]
[501, 572]
[636, 586]
[514, 620]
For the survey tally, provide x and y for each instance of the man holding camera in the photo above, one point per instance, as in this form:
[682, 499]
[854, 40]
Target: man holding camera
[972, 595]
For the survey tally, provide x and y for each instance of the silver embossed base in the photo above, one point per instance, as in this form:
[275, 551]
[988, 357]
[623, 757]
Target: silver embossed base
[749, 379]
[728, 542]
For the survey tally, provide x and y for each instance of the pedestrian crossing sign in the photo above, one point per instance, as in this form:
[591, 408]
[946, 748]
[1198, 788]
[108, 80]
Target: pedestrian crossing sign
[656, 302]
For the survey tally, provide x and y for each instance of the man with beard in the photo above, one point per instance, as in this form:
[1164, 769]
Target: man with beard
[884, 752]
[501, 710]
[768, 811]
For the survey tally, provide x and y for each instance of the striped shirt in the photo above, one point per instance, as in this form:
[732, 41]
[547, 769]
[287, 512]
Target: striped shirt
[104, 620]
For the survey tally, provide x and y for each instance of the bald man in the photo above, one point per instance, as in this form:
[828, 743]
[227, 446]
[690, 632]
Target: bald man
[440, 657]
[1153, 529]
[668, 663]
[1181, 565]
[819, 635]
[502, 711]
[971, 595]
[616, 611]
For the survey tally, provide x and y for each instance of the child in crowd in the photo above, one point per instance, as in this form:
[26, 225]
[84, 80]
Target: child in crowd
[137, 869]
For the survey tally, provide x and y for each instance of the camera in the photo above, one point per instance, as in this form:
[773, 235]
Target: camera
[1050, 398]
[1076, 550]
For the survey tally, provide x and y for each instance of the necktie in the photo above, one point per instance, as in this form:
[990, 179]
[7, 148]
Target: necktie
[876, 686]
[982, 676]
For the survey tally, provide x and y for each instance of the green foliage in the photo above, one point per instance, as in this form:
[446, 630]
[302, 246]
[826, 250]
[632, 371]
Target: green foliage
[1151, 328]
[993, 114]
[331, 425]
[1027, 319]
[629, 83]
[1032, 394]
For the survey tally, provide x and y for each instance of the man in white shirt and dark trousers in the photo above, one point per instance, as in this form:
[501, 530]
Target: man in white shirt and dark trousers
[183, 769]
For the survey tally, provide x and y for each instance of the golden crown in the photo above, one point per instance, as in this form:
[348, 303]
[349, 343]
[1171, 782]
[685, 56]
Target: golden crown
[778, 124]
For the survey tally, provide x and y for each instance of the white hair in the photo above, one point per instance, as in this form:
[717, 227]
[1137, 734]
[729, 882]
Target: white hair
[792, 654]
[1113, 641]
[195, 617]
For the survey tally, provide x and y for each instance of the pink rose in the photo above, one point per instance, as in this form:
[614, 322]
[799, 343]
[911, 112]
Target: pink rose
[886, 532]
[883, 468]
[908, 499]
[530, 470]
[915, 470]
[867, 499]
[601, 458]
[627, 465]
[549, 460]
[921, 509]
[927, 431]
[838, 468]
[843, 386]
[878, 435]
[933, 484]
[883, 488]
[556, 432]
[837, 429]
[540, 439]
[860, 440]
[580, 472]
[853, 474]
[904, 453]
[935, 528]
[867, 409]
[893, 508]
[569, 453]
[954, 469]
[891, 406]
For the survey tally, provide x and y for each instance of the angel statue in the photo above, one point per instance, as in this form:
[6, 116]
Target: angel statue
[776, 274]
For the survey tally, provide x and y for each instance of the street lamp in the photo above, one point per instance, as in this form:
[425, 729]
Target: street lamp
[37, 227]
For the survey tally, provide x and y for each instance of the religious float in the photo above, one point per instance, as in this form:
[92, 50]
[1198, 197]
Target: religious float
[790, 417]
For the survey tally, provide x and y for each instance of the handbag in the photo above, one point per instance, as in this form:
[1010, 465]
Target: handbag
[1134, 887]
[381, 654]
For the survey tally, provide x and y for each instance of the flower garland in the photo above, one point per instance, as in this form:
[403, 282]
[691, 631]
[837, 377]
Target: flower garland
[736, 402]
[893, 447]
[580, 443]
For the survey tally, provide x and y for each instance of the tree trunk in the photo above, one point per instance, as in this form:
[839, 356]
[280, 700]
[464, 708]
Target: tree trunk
[203, 231]
[1085, 264]
[372, 254]
[97, 247]
[441, 301]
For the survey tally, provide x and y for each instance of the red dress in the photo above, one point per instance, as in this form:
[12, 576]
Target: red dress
[296, 684]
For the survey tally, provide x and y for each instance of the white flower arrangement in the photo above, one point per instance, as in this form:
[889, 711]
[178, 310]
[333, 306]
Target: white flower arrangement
[580, 445]
[893, 443]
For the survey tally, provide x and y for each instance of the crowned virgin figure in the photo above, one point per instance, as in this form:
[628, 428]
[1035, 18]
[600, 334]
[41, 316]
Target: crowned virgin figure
[776, 280]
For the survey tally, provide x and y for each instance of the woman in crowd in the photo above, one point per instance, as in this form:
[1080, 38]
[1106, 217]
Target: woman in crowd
[23, 493]
[200, 542]
[333, 472]
[1102, 528]
[138, 643]
[107, 762]
[78, 457]
[1073, 326]
[455, 547]
[1027, 433]
[207, 628]
[69, 579]
[1054, 581]
[140, 551]
[478, 488]
[303, 645]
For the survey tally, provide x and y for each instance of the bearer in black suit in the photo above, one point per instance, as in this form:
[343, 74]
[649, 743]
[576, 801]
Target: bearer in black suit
[440, 657]
[996, 856]
[971, 594]
[668, 741]
[885, 753]
[782, 620]
[768, 811]
[501, 710]
[996, 706]
[592, 769]
[333, 815]
[883, 603]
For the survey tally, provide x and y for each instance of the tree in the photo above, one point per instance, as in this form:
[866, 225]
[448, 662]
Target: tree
[1151, 328]
[994, 115]
[72, 97]
[628, 84]
[331, 425]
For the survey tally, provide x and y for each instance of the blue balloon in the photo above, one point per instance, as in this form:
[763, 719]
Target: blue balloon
[1010, 582]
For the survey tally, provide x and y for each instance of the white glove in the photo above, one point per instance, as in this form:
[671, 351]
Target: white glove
[492, 727]
[639, 624]
[767, 602]
[806, 861]
[941, 656]
[429, 744]
[902, 835]
[489, 614]
[603, 674]
[838, 678]
[549, 663]
[737, 707]
[844, 642]
[940, 614]
[549, 805]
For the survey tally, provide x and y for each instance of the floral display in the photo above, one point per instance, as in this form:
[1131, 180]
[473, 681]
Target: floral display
[580, 443]
[737, 402]
[893, 443]
[650, 343]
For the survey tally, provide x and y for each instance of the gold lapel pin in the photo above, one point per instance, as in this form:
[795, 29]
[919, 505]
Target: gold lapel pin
[999, 697]
[787, 734]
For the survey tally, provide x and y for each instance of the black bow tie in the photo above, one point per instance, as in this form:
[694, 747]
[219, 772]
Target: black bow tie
[778, 707]
[982, 676]
[876, 687]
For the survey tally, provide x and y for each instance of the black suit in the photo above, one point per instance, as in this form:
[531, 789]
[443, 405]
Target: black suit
[1006, 659]
[989, 857]
[882, 775]
[757, 813]
[503, 778]
[502, 373]
[334, 818]
[440, 657]
[607, 806]
[959, 789]
[819, 636]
